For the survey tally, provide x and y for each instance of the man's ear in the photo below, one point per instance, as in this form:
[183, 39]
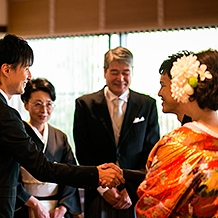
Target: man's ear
[105, 71]
[5, 68]
[26, 105]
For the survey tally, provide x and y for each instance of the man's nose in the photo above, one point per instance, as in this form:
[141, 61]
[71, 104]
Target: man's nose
[120, 76]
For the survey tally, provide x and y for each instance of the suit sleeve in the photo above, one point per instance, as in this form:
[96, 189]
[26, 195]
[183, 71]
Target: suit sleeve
[133, 180]
[22, 149]
[22, 195]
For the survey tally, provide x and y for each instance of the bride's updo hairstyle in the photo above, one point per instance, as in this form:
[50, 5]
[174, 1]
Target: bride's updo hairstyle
[206, 92]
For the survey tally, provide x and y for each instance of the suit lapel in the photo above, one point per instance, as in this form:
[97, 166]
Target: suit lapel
[3, 99]
[132, 109]
[100, 109]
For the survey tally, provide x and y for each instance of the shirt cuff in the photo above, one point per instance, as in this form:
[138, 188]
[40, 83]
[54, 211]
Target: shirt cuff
[102, 190]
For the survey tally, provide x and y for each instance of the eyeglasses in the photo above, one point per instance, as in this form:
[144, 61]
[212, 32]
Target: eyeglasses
[39, 105]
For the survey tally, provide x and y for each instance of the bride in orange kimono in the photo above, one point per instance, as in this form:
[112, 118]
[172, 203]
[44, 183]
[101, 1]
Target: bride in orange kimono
[182, 168]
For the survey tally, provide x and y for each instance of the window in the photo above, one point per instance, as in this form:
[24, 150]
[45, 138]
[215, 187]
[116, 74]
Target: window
[75, 66]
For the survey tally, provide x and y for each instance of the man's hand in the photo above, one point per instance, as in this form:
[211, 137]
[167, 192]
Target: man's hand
[124, 202]
[110, 175]
[39, 210]
[113, 166]
[112, 196]
[58, 212]
[118, 200]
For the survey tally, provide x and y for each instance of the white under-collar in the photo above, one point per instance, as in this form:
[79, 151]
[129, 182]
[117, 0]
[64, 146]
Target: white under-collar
[200, 127]
[5, 96]
[44, 137]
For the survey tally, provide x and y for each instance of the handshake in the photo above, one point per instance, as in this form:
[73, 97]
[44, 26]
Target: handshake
[110, 175]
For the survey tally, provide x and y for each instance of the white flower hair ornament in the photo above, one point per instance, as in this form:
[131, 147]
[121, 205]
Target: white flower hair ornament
[186, 72]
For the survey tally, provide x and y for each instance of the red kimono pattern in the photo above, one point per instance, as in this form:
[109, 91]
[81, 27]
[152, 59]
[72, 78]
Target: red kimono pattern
[182, 177]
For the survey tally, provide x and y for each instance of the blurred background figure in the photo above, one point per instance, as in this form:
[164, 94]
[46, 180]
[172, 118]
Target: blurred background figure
[35, 198]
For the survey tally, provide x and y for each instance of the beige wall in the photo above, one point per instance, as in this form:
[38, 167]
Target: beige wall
[38, 18]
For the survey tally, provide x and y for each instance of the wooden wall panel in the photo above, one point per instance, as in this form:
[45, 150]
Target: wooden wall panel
[40, 18]
[129, 14]
[76, 16]
[27, 17]
[190, 13]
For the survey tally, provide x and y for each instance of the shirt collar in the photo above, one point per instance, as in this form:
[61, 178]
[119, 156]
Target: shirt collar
[4, 95]
[111, 96]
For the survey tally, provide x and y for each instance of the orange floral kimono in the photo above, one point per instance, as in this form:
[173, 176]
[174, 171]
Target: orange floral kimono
[182, 177]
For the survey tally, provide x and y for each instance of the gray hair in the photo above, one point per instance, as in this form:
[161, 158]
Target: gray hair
[120, 54]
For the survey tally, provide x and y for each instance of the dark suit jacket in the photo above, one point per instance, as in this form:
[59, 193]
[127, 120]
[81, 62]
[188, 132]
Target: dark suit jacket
[16, 147]
[94, 137]
[57, 150]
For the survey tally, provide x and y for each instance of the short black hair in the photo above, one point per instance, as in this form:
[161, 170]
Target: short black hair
[168, 63]
[15, 50]
[39, 84]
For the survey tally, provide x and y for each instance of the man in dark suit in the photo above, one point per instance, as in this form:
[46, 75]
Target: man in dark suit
[105, 133]
[16, 147]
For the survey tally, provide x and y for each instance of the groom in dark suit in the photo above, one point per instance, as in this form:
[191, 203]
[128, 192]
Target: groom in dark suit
[16, 146]
[104, 132]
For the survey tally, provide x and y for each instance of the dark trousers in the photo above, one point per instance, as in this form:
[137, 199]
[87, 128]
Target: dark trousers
[7, 205]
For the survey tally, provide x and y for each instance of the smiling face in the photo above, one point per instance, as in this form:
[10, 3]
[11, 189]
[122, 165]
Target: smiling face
[39, 108]
[169, 105]
[118, 77]
[15, 79]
